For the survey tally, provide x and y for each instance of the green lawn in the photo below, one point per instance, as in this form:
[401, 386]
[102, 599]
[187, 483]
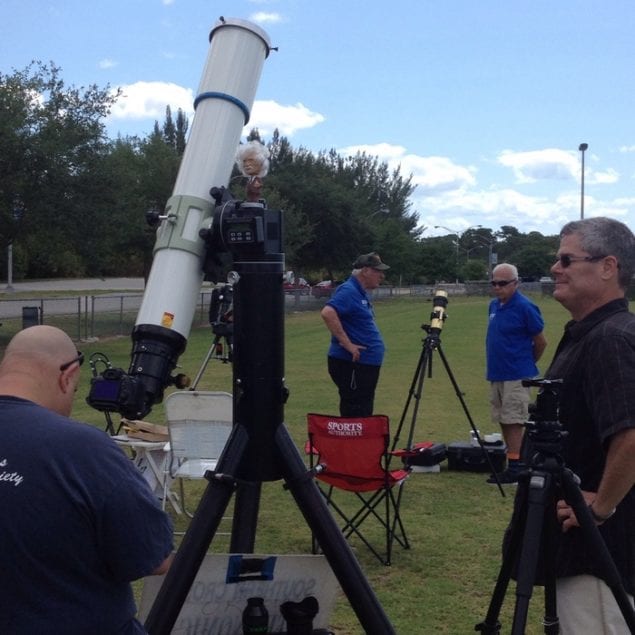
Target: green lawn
[455, 521]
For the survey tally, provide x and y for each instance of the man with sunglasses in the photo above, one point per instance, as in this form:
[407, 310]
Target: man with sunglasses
[514, 343]
[78, 520]
[596, 361]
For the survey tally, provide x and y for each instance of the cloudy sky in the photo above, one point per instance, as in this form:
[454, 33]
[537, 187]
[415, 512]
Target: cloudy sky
[484, 102]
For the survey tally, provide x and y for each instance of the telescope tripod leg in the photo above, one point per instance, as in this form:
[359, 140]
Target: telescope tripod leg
[459, 394]
[539, 542]
[457, 391]
[525, 537]
[246, 506]
[512, 544]
[415, 392]
[201, 370]
[190, 555]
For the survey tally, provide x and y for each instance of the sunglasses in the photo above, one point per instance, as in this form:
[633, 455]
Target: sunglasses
[77, 360]
[565, 260]
[502, 283]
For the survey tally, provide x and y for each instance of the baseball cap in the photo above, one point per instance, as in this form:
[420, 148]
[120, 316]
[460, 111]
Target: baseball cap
[370, 260]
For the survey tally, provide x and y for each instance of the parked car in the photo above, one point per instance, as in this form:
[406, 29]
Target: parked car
[545, 279]
[323, 289]
[299, 285]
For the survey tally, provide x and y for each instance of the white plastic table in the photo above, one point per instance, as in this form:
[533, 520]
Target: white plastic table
[152, 459]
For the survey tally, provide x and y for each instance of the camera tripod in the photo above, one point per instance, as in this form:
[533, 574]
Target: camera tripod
[431, 343]
[260, 449]
[534, 530]
[221, 348]
[221, 319]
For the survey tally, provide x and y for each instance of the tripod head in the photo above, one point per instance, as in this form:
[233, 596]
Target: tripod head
[543, 427]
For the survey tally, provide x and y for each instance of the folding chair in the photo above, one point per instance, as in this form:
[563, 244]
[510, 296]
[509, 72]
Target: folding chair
[352, 454]
[199, 424]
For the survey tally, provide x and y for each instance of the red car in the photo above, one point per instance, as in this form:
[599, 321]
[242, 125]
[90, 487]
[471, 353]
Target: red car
[299, 285]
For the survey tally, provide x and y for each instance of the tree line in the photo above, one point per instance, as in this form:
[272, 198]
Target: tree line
[73, 202]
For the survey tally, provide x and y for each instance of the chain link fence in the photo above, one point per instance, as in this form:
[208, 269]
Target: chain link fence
[84, 317]
[92, 317]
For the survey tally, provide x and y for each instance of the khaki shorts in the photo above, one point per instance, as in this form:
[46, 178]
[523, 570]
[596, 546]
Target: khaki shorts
[587, 605]
[509, 401]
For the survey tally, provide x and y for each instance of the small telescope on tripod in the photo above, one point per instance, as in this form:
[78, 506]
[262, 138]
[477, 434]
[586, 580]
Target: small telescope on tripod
[432, 343]
[438, 315]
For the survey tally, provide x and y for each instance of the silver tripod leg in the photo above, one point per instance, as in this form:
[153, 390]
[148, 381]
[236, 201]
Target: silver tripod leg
[210, 352]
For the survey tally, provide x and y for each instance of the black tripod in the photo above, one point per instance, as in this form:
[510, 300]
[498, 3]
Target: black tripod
[534, 527]
[432, 343]
[221, 348]
[259, 449]
[221, 319]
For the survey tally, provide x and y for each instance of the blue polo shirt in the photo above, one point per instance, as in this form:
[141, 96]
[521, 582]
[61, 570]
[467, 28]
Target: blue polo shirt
[355, 312]
[509, 343]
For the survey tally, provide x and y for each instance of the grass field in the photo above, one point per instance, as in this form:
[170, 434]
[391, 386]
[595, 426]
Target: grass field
[455, 521]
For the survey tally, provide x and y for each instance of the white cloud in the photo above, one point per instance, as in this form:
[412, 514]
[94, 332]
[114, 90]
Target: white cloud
[262, 17]
[448, 194]
[608, 176]
[268, 115]
[148, 100]
[494, 208]
[430, 174]
[437, 174]
[554, 165]
[537, 165]
[107, 63]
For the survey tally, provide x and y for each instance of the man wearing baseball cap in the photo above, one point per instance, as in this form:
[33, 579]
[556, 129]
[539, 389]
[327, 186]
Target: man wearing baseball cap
[357, 348]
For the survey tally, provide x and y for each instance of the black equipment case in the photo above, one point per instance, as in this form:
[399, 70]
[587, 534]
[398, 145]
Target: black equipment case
[465, 457]
[424, 454]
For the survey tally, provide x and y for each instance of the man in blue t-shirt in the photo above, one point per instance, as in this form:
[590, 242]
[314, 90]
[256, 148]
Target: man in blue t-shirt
[514, 343]
[78, 520]
[357, 348]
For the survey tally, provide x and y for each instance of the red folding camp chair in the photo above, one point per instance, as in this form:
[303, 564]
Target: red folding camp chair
[351, 454]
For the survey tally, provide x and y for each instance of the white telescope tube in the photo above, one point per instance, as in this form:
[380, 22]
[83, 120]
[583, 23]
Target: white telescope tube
[226, 94]
[225, 97]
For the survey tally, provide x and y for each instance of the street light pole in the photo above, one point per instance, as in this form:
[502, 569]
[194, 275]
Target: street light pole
[490, 246]
[489, 243]
[458, 238]
[9, 287]
[582, 148]
[18, 210]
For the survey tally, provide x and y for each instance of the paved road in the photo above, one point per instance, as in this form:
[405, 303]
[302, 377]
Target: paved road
[75, 284]
[111, 295]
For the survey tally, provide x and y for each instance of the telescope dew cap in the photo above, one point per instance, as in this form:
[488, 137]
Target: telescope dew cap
[370, 260]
